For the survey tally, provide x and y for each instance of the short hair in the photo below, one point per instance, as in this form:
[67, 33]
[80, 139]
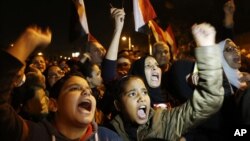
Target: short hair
[56, 88]
[158, 44]
[28, 90]
[86, 68]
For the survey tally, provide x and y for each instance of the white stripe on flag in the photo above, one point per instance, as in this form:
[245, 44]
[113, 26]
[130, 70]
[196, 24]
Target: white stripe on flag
[138, 19]
[82, 15]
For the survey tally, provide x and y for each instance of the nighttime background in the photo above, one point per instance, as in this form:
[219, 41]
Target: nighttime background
[60, 16]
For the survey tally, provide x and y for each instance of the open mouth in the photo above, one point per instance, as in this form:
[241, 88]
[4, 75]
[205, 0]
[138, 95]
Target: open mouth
[86, 104]
[155, 77]
[236, 60]
[141, 112]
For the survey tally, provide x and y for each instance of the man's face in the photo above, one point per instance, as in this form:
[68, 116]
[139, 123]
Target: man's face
[39, 63]
[162, 55]
[232, 55]
[123, 66]
[54, 74]
[38, 105]
[97, 52]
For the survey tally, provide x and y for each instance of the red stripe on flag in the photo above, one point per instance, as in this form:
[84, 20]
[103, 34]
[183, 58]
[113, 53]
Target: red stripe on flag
[157, 31]
[91, 38]
[171, 40]
[148, 12]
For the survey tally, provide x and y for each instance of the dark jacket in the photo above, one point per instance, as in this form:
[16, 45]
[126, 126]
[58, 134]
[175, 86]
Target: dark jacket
[13, 127]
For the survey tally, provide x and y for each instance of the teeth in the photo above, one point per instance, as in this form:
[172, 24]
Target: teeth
[155, 77]
[143, 106]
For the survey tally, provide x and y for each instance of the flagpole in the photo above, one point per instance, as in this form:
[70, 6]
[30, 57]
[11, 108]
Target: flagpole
[129, 43]
[149, 44]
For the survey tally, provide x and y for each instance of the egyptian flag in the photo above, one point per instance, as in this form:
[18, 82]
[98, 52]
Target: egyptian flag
[143, 12]
[157, 31]
[78, 21]
[164, 36]
[80, 7]
[171, 40]
[91, 38]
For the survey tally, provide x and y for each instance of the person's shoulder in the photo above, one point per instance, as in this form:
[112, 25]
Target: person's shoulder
[108, 134]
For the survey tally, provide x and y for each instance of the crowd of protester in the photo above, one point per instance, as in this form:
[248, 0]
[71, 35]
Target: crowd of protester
[107, 94]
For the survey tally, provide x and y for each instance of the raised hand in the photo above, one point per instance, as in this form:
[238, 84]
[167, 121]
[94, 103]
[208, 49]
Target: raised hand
[229, 7]
[118, 15]
[38, 37]
[32, 38]
[204, 34]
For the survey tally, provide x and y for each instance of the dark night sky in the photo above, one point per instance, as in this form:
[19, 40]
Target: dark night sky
[17, 14]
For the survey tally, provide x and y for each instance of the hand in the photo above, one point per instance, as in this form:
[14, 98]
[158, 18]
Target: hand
[118, 15]
[204, 34]
[33, 68]
[37, 37]
[229, 7]
[245, 77]
[32, 38]
[192, 79]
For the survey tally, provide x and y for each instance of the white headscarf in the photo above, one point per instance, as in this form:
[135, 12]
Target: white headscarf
[233, 75]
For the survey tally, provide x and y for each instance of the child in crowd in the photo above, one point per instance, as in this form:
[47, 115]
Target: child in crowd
[138, 121]
[71, 100]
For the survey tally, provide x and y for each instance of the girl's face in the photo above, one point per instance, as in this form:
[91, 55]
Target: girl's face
[96, 79]
[152, 72]
[232, 55]
[135, 101]
[75, 104]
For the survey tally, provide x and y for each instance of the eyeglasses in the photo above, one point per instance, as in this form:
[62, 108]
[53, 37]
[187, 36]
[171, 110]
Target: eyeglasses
[58, 74]
[232, 49]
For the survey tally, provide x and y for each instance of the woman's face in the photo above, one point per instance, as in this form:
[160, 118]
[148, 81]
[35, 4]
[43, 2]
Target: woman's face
[76, 105]
[232, 55]
[152, 72]
[96, 79]
[135, 101]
